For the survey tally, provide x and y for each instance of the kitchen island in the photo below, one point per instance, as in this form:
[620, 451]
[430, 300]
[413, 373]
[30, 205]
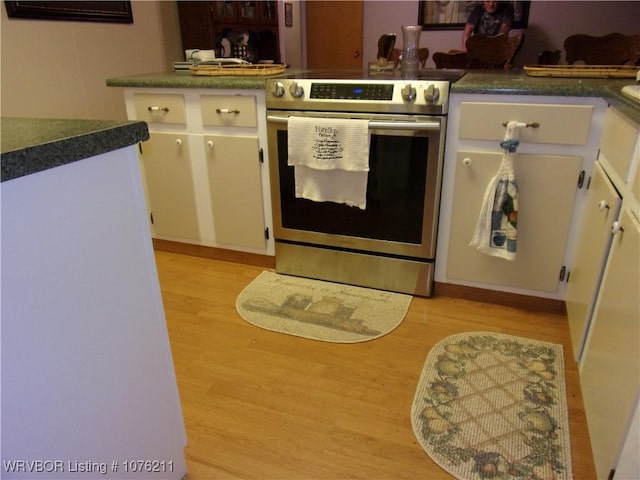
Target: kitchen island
[88, 384]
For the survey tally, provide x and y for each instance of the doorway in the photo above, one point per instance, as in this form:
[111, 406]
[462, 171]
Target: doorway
[334, 34]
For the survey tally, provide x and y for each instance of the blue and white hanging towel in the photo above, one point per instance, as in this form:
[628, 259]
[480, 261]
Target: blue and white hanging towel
[496, 232]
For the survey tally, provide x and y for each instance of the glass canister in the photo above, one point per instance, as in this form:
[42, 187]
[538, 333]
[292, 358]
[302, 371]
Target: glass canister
[410, 45]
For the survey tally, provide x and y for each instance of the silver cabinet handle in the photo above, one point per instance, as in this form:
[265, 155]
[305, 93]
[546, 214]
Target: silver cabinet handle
[158, 109]
[523, 125]
[227, 110]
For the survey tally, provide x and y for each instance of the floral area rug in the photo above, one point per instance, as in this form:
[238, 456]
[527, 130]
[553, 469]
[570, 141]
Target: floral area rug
[320, 310]
[491, 406]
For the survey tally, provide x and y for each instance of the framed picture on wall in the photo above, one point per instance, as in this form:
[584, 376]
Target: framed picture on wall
[288, 15]
[109, 11]
[453, 14]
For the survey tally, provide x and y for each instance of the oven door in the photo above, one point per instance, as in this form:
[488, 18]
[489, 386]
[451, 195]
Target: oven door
[403, 189]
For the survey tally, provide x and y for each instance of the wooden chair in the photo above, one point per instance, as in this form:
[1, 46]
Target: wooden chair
[611, 49]
[483, 52]
[496, 52]
[452, 59]
[423, 55]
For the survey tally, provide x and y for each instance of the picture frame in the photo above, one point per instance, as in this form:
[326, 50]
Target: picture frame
[453, 14]
[288, 15]
[106, 11]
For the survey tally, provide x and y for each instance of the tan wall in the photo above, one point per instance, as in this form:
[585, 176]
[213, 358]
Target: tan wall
[57, 69]
[550, 22]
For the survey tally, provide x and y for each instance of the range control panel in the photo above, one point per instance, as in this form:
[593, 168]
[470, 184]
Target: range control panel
[352, 91]
[384, 96]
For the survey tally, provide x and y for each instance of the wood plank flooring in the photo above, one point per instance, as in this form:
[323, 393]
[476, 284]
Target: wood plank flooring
[263, 405]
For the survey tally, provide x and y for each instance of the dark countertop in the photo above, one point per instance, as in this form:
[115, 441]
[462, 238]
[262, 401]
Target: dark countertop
[514, 82]
[31, 145]
[186, 80]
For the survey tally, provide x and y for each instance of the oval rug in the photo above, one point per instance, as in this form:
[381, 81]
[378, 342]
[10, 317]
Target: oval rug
[494, 406]
[319, 310]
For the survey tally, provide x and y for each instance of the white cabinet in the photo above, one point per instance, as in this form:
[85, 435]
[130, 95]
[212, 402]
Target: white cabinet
[601, 210]
[204, 167]
[559, 144]
[166, 166]
[610, 373]
[236, 190]
[545, 210]
[602, 299]
[613, 179]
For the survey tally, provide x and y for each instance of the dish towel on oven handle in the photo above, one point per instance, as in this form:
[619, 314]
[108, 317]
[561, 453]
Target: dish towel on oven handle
[496, 232]
[330, 159]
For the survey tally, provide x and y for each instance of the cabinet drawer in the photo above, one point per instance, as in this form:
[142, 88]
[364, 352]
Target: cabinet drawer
[228, 110]
[618, 142]
[558, 124]
[160, 108]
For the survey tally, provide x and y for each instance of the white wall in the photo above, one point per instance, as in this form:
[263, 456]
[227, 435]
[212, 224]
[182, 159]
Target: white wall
[57, 69]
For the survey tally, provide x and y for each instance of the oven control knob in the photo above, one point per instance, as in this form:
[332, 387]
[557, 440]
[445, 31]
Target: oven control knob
[277, 89]
[431, 94]
[408, 92]
[296, 90]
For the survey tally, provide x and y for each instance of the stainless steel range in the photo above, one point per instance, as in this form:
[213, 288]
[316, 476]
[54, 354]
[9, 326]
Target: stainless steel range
[391, 244]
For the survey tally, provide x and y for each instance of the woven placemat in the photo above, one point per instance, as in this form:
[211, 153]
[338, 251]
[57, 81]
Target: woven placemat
[494, 406]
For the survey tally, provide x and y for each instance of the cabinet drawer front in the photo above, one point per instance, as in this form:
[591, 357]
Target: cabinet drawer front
[547, 190]
[159, 108]
[236, 190]
[610, 370]
[618, 142]
[168, 175]
[228, 110]
[601, 209]
[558, 124]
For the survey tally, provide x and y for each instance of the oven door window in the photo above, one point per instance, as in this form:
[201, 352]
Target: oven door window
[395, 194]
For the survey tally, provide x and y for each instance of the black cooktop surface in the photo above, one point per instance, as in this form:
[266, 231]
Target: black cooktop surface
[426, 74]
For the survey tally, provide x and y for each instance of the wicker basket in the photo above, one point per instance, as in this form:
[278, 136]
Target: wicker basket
[583, 71]
[238, 69]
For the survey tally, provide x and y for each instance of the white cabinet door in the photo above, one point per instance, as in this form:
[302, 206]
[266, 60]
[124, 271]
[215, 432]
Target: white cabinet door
[602, 205]
[547, 187]
[168, 177]
[233, 165]
[610, 374]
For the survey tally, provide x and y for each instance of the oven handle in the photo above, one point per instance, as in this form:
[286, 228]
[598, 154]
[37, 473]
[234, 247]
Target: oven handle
[376, 124]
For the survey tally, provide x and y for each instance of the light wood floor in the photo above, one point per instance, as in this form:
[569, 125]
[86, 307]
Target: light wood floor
[263, 405]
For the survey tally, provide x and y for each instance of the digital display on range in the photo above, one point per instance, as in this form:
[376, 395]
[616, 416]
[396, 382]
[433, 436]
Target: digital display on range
[351, 91]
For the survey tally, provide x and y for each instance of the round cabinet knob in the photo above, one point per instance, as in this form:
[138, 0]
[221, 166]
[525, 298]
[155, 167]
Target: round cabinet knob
[603, 205]
[296, 90]
[616, 228]
[210, 144]
[431, 94]
[466, 162]
[408, 93]
[277, 89]
[179, 142]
